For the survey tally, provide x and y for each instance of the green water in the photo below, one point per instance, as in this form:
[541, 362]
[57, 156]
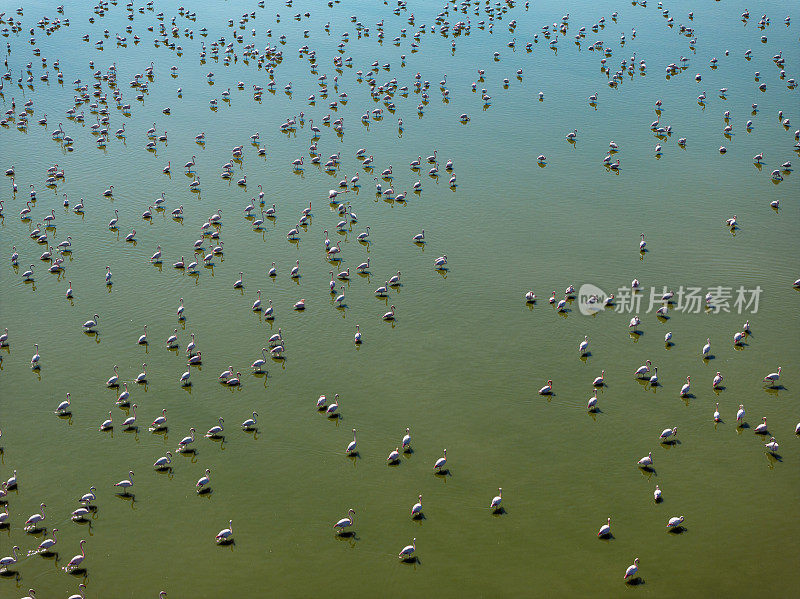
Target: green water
[463, 360]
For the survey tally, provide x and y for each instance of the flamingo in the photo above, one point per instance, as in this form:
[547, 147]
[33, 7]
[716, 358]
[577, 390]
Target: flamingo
[686, 387]
[646, 461]
[76, 560]
[496, 500]
[644, 369]
[33, 522]
[160, 422]
[761, 429]
[183, 444]
[632, 569]
[82, 590]
[64, 407]
[773, 377]
[107, 424]
[657, 495]
[717, 380]
[225, 535]
[9, 560]
[675, 522]
[441, 462]
[547, 389]
[667, 433]
[163, 462]
[592, 404]
[416, 509]
[345, 522]
[47, 544]
[130, 421]
[772, 446]
[740, 415]
[408, 551]
[125, 484]
[203, 482]
[215, 431]
[605, 530]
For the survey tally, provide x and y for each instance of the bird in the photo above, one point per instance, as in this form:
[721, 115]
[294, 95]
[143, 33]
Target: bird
[605, 530]
[125, 484]
[494, 505]
[592, 404]
[600, 380]
[225, 535]
[657, 495]
[441, 462]
[773, 377]
[77, 560]
[33, 522]
[772, 446]
[643, 370]
[675, 522]
[203, 482]
[547, 389]
[632, 569]
[351, 447]
[394, 456]
[345, 523]
[667, 433]
[10, 560]
[406, 443]
[762, 429]
[250, 423]
[107, 424]
[717, 380]
[646, 461]
[163, 462]
[215, 431]
[407, 552]
[331, 410]
[717, 417]
[416, 509]
[36, 358]
[46, 545]
[740, 415]
[686, 387]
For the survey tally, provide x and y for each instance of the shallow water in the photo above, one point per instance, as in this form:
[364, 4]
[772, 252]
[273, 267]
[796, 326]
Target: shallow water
[463, 360]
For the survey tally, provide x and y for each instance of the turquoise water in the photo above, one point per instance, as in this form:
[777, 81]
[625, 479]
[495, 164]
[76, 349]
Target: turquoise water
[463, 360]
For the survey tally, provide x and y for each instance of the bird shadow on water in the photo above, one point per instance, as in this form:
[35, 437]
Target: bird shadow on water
[773, 458]
[411, 560]
[774, 390]
[635, 582]
[501, 511]
[677, 530]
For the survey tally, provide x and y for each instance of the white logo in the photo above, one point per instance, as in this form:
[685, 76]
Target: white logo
[591, 299]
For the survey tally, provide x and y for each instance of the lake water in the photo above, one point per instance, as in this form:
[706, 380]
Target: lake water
[463, 360]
